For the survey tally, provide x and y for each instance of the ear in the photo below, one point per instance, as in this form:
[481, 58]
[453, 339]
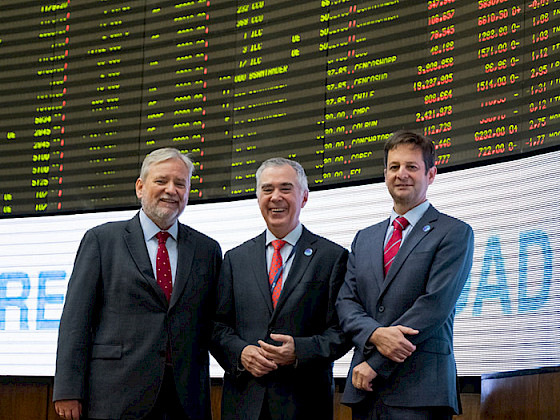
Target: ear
[432, 174]
[139, 185]
[305, 198]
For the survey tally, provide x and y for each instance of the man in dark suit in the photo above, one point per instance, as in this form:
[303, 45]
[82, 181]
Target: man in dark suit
[398, 307]
[133, 344]
[276, 332]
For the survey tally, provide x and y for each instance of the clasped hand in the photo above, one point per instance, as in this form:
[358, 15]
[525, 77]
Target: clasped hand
[264, 358]
[391, 343]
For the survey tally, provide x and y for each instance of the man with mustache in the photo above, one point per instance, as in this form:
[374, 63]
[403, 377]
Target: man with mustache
[135, 328]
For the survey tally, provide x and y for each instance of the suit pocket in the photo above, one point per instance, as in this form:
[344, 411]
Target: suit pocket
[434, 345]
[106, 351]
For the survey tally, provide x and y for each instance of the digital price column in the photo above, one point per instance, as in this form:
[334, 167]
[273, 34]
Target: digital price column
[437, 80]
[34, 52]
[373, 52]
[278, 88]
[101, 159]
[182, 101]
[500, 86]
[473, 85]
[542, 86]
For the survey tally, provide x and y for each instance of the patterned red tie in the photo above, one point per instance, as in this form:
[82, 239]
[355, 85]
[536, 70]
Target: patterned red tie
[392, 247]
[163, 267]
[275, 265]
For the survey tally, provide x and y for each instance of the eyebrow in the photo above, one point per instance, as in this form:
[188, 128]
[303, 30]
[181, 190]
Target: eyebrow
[408, 162]
[284, 184]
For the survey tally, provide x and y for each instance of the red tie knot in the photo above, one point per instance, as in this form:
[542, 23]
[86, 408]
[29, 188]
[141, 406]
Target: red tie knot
[400, 223]
[277, 244]
[162, 237]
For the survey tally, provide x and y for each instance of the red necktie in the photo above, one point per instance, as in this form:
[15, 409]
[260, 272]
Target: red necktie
[275, 265]
[163, 267]
[392, 247]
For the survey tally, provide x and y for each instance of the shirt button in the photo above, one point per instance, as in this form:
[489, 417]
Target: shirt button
[381, 308]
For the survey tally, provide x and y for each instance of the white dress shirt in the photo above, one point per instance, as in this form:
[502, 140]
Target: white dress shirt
[413, 216]
[291, 239]
[150, 230]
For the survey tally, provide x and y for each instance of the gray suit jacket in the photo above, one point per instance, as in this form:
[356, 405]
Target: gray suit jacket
[305, 310]
[420, 291]
[116, 323]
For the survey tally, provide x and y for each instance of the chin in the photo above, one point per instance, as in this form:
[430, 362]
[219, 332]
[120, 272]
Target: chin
[167, 218]
[277, 225]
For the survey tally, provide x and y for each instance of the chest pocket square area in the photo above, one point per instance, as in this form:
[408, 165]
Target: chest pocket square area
[434, 345]
[106, 351]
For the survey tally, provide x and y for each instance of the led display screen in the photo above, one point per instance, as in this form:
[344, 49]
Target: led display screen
[89, 87]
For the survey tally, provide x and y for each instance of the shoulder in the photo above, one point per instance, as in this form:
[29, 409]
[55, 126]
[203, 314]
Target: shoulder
[110, 228]
[197, 236]
[322, 243]
[248, 245]
[373, 230]
[453, 223]
[449, 230]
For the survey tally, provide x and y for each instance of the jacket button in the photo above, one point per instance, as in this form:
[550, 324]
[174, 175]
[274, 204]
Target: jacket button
[381, 308]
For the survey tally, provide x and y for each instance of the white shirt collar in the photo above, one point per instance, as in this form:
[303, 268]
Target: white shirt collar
[290, 238]
[150, 229]
[413, 215]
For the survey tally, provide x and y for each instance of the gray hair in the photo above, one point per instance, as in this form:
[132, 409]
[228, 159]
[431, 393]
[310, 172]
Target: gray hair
[159, 155]
[277, 162]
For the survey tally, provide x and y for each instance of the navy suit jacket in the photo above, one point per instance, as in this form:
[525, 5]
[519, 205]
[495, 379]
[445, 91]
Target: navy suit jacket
[420, 291]
[305, 310]
[116, 324]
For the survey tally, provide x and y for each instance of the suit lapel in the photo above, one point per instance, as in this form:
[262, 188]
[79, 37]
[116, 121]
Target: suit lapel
[185, 256]
[423, 228]
[257, 260]
[134, 239]
[377, 245]
[299, 266]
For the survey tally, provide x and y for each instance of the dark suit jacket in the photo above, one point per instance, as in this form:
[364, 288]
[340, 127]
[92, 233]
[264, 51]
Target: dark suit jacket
[116, 323]
[305, 310]
[420, 291]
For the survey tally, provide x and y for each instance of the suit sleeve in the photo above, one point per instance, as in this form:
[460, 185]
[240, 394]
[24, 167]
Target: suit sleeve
[354, 318]
[210, 309]
[331, 344]
[449, 270]
[226, 345]
[74, 337]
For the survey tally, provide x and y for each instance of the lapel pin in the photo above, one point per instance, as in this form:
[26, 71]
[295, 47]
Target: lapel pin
[308, 252]
[426, 228]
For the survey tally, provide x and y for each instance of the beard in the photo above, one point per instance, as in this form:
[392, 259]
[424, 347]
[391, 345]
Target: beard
[164, 217]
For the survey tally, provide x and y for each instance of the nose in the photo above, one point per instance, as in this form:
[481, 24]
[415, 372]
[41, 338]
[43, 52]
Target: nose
[275, 196]
[170, 188]
[402, 172]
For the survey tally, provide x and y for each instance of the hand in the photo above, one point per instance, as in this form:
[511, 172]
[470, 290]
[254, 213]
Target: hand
[68, 409]
[362, 376]
[282, 355]
[255, 362]
[391, 342]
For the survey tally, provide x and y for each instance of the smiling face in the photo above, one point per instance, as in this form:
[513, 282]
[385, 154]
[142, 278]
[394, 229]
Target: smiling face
[280, 199]
[406, 177]
[164, 192]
